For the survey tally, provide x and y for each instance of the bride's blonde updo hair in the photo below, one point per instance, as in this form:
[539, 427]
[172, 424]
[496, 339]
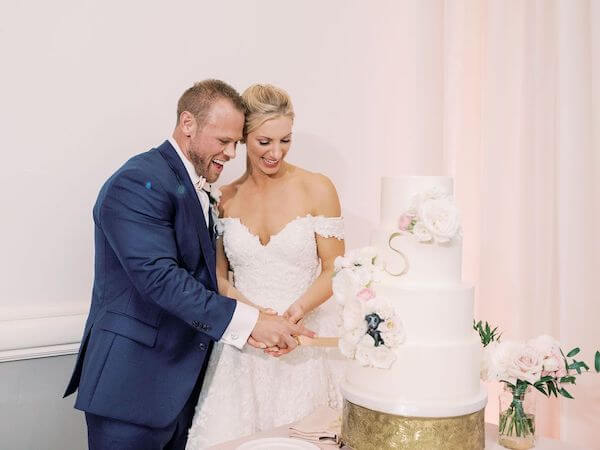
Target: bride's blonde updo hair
[265, 102]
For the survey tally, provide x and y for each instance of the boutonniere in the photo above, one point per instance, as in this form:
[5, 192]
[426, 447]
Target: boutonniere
[214, 196]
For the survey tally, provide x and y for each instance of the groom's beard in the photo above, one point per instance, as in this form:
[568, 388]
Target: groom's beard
[202, 167]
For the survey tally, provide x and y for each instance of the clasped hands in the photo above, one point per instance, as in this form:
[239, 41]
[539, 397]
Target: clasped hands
[277, 334]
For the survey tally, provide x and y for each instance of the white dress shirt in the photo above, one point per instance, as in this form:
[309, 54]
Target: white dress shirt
[244, 317]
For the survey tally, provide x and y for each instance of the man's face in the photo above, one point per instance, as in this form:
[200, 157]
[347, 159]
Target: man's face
[213, 144]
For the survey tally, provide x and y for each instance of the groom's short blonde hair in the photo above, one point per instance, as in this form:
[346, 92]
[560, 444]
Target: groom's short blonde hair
[265, 102]
[200, 97]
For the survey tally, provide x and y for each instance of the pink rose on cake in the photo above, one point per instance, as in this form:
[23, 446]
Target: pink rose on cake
[405, 223]
[365, 294]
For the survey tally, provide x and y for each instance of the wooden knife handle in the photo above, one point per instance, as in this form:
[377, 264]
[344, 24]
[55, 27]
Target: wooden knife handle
[318, 341]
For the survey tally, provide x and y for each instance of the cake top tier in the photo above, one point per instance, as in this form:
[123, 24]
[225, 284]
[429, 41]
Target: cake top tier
[397, 194]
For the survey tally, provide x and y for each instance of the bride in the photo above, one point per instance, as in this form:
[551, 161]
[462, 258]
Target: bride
[280, 231]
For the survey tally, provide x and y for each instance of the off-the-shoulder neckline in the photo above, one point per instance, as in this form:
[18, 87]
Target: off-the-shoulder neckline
[255, 235]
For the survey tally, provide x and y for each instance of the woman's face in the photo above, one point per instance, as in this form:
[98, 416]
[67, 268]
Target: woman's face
[268, 145]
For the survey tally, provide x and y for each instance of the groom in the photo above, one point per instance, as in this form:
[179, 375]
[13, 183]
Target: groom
[155, 309]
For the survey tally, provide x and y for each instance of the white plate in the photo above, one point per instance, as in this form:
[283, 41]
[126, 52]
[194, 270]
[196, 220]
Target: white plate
[277, 444]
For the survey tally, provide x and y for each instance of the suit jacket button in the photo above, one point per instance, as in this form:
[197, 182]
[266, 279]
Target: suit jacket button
[202, 346]
[196, 323]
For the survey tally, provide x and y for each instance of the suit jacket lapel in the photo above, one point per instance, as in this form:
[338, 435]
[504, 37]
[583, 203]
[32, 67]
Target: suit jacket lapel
[186, 189]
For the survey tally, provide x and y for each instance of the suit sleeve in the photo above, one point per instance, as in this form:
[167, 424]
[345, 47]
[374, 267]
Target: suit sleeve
[136, 217]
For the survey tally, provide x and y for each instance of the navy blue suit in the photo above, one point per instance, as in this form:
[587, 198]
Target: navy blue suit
[154, 313]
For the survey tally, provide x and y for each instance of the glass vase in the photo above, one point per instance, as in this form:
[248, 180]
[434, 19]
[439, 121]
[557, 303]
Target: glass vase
[516, 426]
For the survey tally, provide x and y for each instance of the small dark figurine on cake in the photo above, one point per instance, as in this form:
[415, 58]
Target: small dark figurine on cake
[373, 321]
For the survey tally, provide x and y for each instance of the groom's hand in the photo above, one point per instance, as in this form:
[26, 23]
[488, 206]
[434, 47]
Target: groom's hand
[253, 342]
[276, 331]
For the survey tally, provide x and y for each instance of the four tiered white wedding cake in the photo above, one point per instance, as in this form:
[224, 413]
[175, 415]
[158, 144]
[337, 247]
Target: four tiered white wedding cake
[407, 324]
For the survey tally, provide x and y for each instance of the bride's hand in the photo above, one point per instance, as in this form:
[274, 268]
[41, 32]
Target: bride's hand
[276, 351]
[253, 342]
[294, 313]
[273, 351]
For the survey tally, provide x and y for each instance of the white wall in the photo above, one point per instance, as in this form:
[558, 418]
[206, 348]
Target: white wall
[86, 84]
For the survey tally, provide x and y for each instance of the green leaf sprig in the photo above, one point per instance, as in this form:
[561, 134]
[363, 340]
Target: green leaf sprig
[486, 333]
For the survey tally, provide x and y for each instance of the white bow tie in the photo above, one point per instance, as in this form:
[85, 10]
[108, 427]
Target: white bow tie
[202, 185]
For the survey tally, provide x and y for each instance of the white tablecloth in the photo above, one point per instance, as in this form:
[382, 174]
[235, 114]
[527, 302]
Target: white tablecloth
[491, 440]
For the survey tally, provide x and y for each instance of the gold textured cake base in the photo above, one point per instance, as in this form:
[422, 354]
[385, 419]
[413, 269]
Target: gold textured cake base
[365, 429]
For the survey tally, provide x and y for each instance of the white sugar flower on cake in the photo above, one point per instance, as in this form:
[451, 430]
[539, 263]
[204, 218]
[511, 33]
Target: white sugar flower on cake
[353, 317]
[441, 218]
[421, 232]
[381, 357]
[354, 271]
[345, 284]
[433, 217]
[370, 328]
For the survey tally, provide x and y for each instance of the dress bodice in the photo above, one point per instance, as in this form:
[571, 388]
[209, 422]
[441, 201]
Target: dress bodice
[275, 274]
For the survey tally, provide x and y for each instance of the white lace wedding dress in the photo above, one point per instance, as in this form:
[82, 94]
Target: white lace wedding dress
[248, 391]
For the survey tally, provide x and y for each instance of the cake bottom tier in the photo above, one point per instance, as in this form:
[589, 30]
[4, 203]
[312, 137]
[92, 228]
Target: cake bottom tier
[366, 429]
[426, 380]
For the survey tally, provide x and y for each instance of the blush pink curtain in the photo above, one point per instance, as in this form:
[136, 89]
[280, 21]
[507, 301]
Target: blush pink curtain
[521, 136]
